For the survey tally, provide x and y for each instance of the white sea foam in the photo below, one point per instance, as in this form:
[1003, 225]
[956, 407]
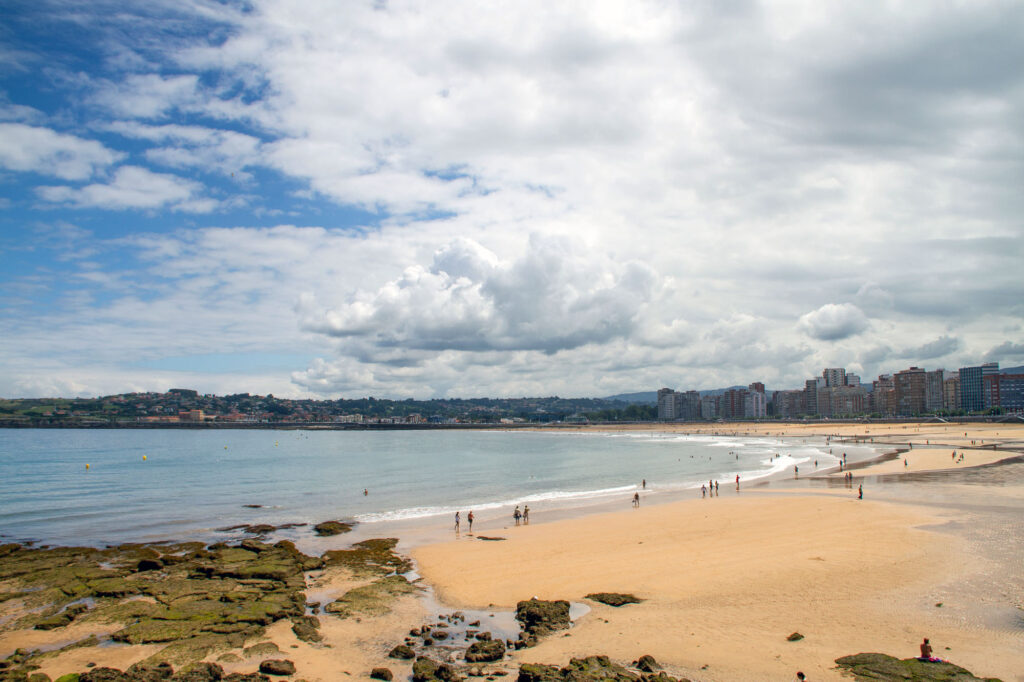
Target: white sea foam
[534, 498]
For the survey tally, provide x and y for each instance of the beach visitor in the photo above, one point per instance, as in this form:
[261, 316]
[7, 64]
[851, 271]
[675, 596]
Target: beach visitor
[796, 472]
[470, 519]
[860, 492]
[457, 521]
[737, 481]
[703, 491]
[365, 492]
[716, 487]
[636, 499]
[801, 677]
[517, 515]
[526, 514]
[926, 650]
[645, 484]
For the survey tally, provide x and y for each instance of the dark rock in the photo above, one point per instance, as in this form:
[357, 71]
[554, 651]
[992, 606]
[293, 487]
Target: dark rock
[490, 539]
[428, 670]
[614, 598]
[403, 652]
[440, 634]
[277, 666]
[331, 528]
[475, 624]
[200, 672]
[253, 506]
[381, 674]
[872, 666]
[149, 565]
[145, 672]
[245, 677]
[795, 637]
[647, 664]
[539, 617]
[485, 651]
[483, 636]
[103, 675]
[306, 633]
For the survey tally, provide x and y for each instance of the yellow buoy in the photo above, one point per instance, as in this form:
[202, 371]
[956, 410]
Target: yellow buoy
[86, 466]
[143, 458]
[225, 447]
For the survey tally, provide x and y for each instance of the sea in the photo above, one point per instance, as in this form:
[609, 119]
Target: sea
[110, 486]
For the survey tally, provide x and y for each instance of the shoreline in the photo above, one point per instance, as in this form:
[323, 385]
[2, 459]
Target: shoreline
[725, 580]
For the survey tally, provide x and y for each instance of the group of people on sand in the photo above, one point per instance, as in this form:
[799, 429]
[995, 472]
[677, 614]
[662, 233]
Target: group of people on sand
[458, 520]
[521, 516]
[711, 487]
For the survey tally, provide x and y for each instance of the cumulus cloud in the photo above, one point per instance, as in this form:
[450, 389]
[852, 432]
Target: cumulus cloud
[555, 297]
[832, 322]
[45, 151]
[133, 187]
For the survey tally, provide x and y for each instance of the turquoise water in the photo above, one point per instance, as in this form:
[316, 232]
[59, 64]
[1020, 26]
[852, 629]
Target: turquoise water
[193, 482]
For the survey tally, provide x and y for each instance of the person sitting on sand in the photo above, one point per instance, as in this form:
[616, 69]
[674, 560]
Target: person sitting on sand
[926, 651]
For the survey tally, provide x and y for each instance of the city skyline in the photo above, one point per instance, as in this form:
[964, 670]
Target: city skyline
[423, 200]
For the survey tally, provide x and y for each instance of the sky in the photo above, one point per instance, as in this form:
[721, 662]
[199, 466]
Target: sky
[452, 199]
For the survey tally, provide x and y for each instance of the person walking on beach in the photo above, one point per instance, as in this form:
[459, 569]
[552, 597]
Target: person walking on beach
[860, 492]
[526, 514]
[737, 481]
[644, 484]
[716, 487]
[703, 491]
[636, 499]
[457, 521]
[469, 518]
[517, 515]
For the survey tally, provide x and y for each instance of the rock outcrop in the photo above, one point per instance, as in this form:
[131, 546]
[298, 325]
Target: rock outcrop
[883, 667]
[540, 618]
[485, 651]
[614, 598]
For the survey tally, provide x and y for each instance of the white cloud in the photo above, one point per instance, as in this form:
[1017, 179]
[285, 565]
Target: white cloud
[148, 95]
[555, 297]
[225, 151]
[133, 187]
[45, 151]
[832, 322]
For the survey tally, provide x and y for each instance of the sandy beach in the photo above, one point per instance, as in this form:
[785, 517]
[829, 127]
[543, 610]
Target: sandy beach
[933, 550]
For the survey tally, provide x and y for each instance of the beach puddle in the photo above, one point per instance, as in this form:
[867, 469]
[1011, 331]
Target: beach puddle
[451, 630]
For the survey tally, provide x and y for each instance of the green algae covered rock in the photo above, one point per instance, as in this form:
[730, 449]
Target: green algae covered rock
[872, 666]
[539, 617]
[371, 600]
[614, 598]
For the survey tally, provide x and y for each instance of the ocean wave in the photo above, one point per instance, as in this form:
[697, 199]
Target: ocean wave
[410, 513]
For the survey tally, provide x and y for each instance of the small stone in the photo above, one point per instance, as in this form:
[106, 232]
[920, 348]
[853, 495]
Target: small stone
[403, 652]
[277, 666]
[795, 637]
